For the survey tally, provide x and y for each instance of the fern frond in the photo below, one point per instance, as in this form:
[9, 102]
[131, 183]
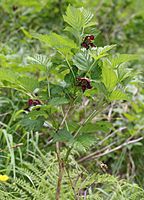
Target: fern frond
[44, 172]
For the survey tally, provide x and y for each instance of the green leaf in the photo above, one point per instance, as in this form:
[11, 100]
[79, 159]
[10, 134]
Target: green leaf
[105, 49]
[59, 42]
[118, 95]
[87, 17]
[27, 34]
[84, 141]
[7, 75]
[63, 136]
[29, 84]
[41, 60]
[98, 126]
[83, 61]
[101, 88]
[58, 101]
[78, 18]
[123, 73]
[122, 58]
[19, 83]
[73, 31]
[109, 78]
[36, 113]
[130, 117]
[74, 17]
[56, 90]
[35, 124]
[69, 79]
[101, 51]
[96, 72]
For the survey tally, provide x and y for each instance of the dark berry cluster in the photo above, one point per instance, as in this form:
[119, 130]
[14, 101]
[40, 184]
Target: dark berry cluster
[32, 102]
[88, 42]
[84, 83]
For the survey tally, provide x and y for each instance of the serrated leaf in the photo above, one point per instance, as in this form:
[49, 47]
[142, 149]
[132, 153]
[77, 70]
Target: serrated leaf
[7, 75]
[73, 31]
[94, 31]
[101, 51]
[29, 84]
[63, 136]
[125, 75]
[74, 17]
[96, 72]
[90, 24]
[59, 42]
[98, 126]
[56, 90]
[69, 79]
[36, 113]
[35, 124]
[84, 141]
[109, 78]
[83, 61]
[78, 18]
[87, 17]
[118, 95]
[58, 101]
[101, 88]
[41, 60]
[122, 58]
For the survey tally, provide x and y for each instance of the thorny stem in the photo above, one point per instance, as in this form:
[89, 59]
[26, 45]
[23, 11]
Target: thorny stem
[91, 116]
[61, 171]
[88, 118]
[64, 117]
[72, 185]
[60, 161]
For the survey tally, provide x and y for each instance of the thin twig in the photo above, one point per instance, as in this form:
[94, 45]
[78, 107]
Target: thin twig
[112, 134]
[107, 151]
[132, 164]
[110, 112]
[60, 161]
[65, 116]
[72, 184]
[95, 153]
[61, 170]
[91, 116]
[70, 67]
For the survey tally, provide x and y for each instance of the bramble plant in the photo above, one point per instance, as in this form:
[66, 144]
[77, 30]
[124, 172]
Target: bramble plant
[86, 76]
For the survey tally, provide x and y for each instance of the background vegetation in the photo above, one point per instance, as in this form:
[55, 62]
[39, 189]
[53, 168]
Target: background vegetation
[117, 147]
